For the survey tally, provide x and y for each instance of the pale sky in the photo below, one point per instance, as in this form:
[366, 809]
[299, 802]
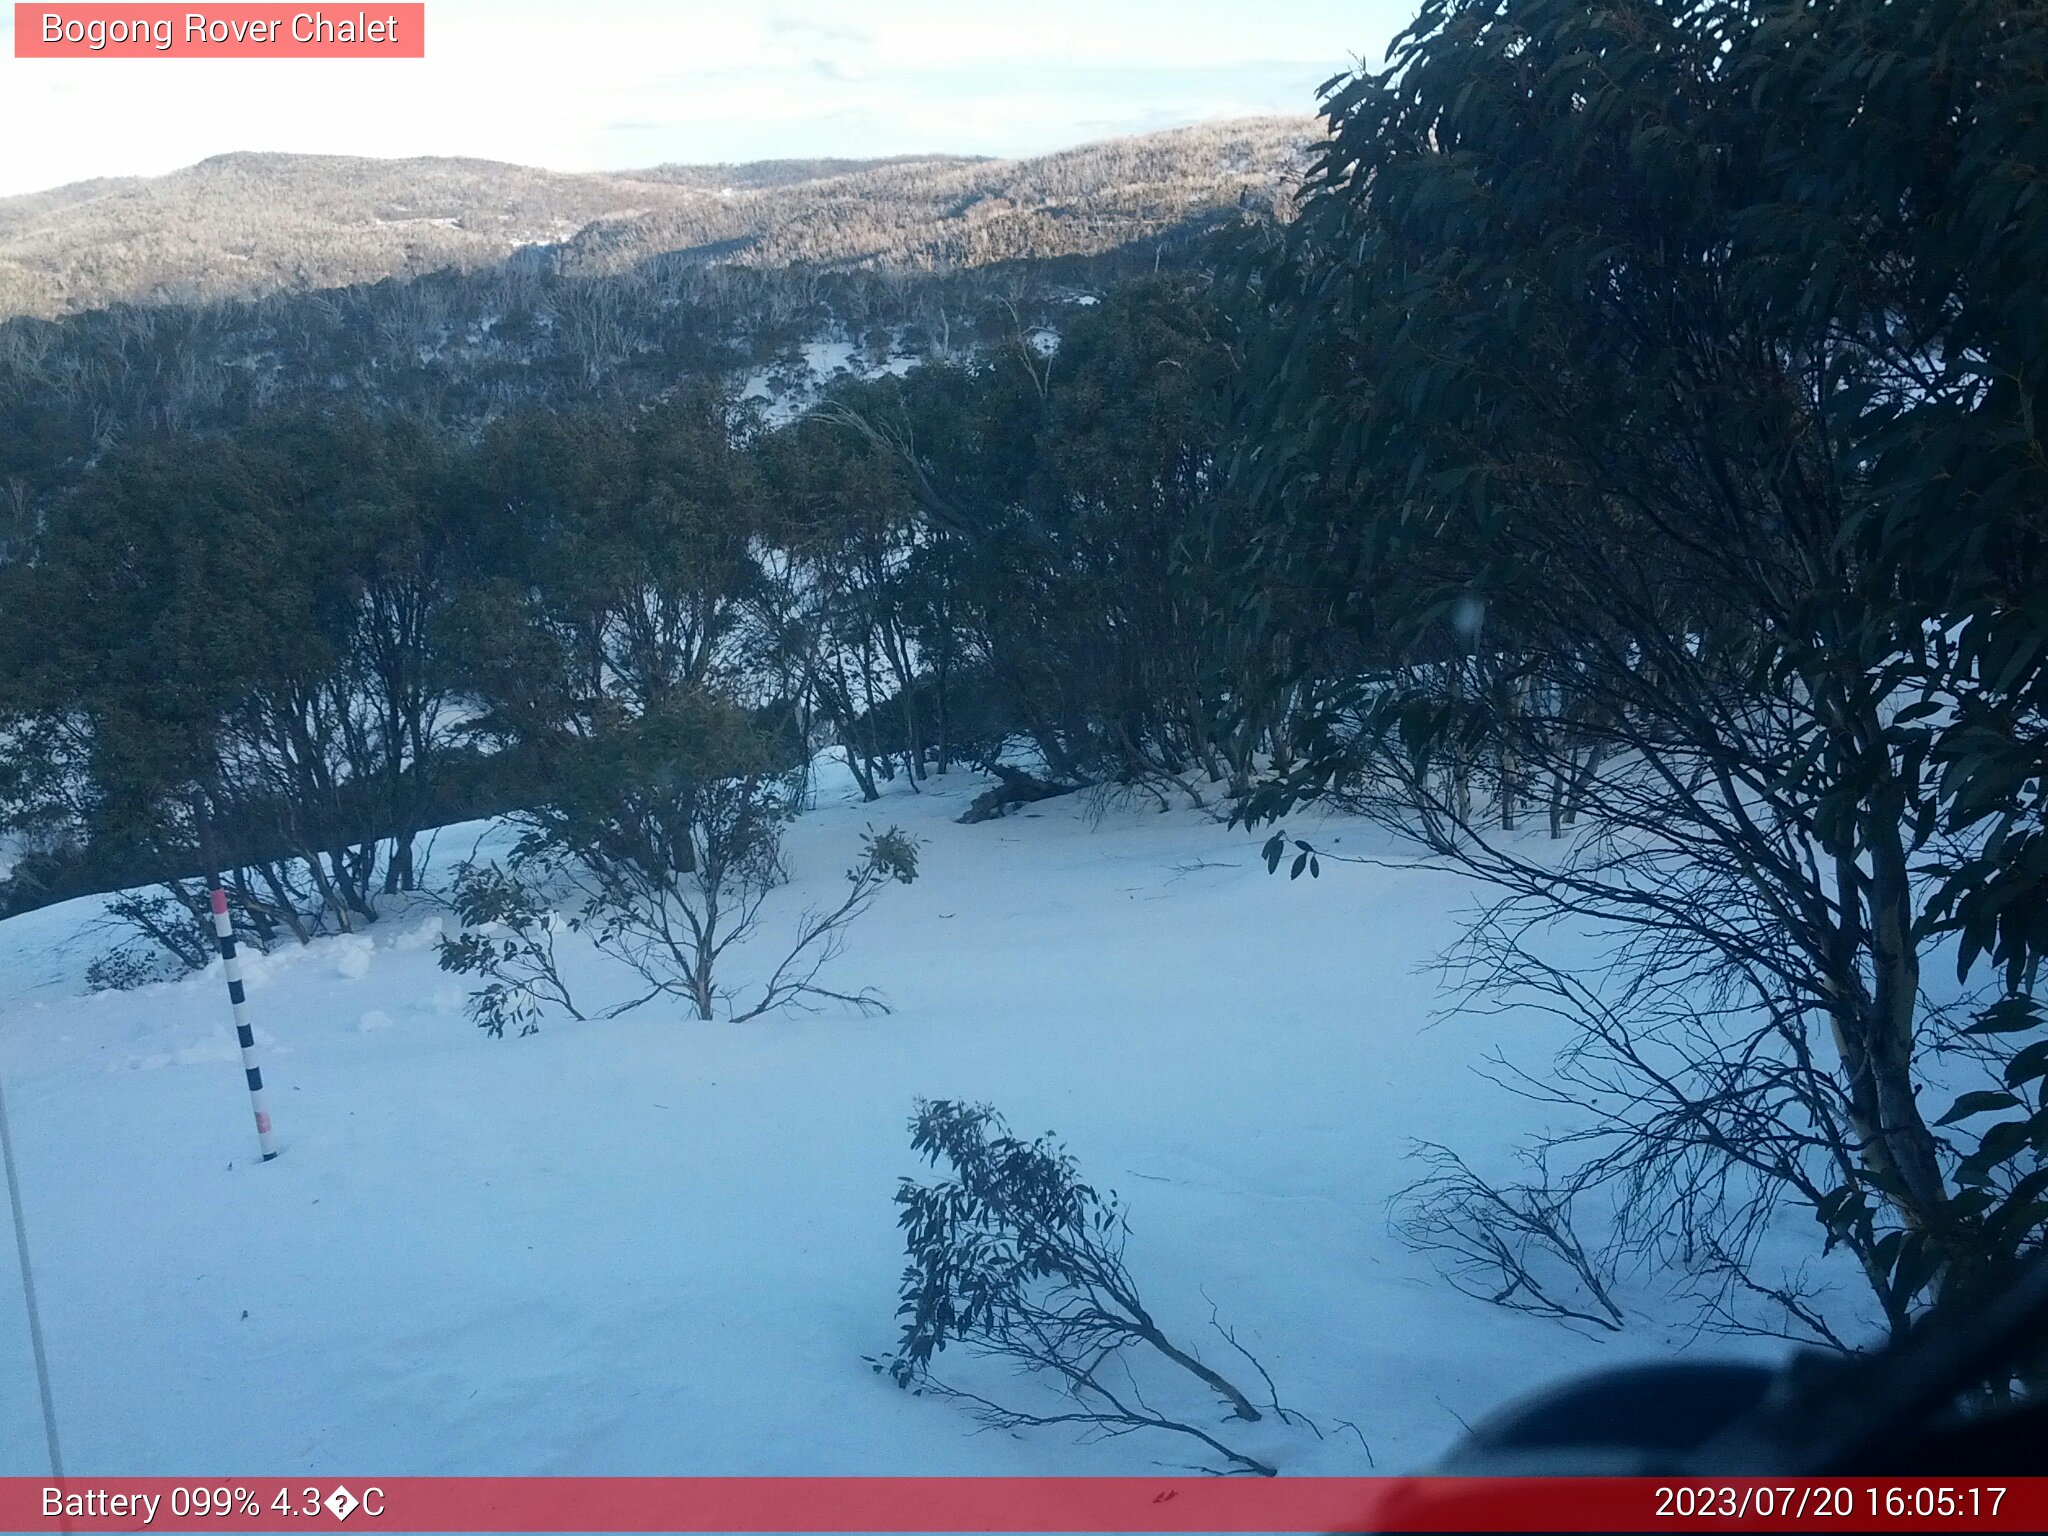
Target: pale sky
[610, 84]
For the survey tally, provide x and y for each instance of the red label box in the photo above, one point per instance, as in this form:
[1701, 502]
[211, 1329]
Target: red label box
[363, 31]
[1024, 1504]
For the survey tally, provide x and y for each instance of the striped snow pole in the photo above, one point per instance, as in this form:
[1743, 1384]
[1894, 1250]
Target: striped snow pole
[224, 931]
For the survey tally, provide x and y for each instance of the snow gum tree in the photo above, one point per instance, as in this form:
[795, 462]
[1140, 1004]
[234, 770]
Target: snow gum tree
[1653, 392]
[617, 659]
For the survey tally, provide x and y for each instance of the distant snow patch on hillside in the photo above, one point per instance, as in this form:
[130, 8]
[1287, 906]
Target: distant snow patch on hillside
[792, 385]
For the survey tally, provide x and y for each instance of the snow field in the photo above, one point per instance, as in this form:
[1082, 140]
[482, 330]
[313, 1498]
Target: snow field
[653, 1245]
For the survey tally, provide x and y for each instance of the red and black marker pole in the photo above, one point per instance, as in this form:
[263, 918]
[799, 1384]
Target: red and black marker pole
[224, 935]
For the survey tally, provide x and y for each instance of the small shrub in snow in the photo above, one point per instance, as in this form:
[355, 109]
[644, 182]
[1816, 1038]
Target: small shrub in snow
[179, 929]
[1513, 1245]
[672, 927]
[129, 967]
[508, 936]
[1014, 1256]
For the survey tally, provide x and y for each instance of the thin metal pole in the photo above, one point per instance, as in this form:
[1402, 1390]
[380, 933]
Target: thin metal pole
[28, 1291]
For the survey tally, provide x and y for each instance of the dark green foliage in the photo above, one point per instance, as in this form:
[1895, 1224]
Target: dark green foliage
[176, 924]
[886, 856]
[839, 607]
[1011, 1215]
[1306, 859]
[508, 935]
[295, 616]
[1651, 397]
[256, 623]
[128, 967]
[1066, 491]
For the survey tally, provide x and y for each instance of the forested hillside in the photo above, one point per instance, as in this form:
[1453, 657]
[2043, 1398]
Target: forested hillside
[243, 225]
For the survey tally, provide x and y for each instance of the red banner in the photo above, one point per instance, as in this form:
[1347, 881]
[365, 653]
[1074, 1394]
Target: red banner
[376, 31]
[925, 1504]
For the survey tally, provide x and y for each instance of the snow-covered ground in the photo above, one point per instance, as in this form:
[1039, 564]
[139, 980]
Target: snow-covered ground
[653, 1245]
[788, 389]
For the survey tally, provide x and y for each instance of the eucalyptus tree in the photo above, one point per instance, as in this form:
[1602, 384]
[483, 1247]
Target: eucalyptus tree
[1652, 394]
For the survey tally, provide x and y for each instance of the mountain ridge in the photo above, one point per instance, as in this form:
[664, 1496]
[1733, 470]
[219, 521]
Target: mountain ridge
[244, 223]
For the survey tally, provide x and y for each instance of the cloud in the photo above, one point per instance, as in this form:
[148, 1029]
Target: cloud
[809, 32]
